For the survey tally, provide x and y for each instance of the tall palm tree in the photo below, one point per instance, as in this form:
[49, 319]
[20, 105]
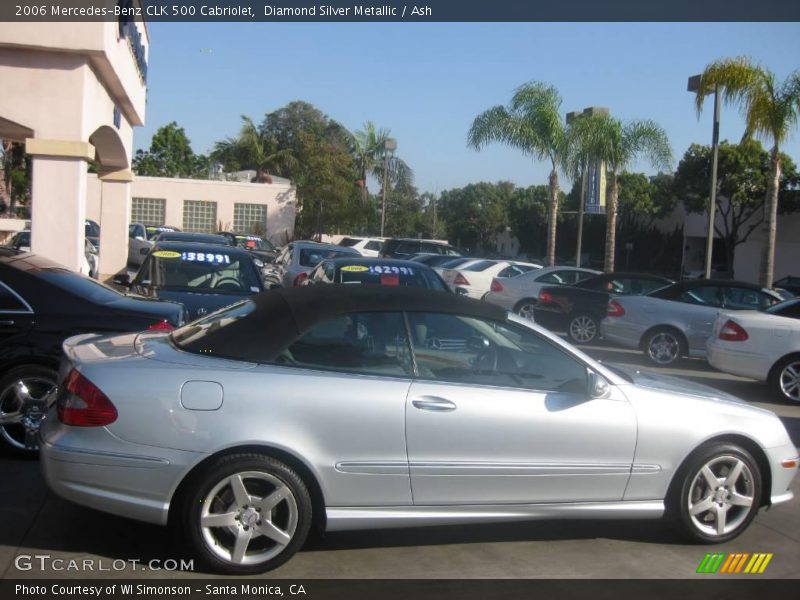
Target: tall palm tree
[368, 147]
[608, 141]
[533, 124]
[251, 149]
[770, 109]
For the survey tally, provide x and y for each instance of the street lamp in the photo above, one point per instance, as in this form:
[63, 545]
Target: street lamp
[694, 86]
[592, 110]
[389, 146]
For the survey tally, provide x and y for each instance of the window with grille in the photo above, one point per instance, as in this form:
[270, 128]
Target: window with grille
[148, 211]
[199, 215]
[249, 217]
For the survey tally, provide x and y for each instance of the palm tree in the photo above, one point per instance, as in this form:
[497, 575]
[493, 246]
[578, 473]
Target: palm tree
[251, 149]
[369, 147]
[770, 110]
[531, 123]
[607, 141]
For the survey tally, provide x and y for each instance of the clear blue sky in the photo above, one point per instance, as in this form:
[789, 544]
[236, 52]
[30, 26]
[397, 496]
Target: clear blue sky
[426, 82]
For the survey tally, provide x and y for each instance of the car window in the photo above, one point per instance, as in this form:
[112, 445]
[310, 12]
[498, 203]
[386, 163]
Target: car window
[481, 265]
[390, 275]
[466, 350]
[252, 242]
[737, 298]
[790, 308]
[708, 295]
[367, 343]
[514, 271]
[373, 245]
[348, 242]
[10, 301]
[559, 277]
[408, 248]
[632, 285]
[311, 257]
[214, 271]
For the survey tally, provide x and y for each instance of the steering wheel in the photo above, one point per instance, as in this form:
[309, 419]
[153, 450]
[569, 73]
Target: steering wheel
[230, 282]
[486, 358]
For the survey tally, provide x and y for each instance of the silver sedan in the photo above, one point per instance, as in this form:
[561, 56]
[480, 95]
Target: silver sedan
[676, 320]
[365, 408]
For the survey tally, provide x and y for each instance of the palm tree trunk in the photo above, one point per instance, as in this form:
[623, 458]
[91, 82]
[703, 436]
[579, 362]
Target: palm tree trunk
[770, 220]
[552, 219]
[611, 222]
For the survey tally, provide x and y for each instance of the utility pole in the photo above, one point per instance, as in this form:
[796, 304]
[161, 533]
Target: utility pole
[389, 145]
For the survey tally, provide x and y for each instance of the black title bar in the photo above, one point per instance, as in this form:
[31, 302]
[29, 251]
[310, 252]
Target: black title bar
[276, 11]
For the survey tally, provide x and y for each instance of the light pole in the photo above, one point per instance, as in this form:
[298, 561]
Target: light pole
[389, 145]
[694, 86]
[592, 110]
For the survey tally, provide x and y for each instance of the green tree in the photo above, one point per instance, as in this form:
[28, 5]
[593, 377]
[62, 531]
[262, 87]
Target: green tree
[254, 149]
[170, 155]
[369, 150]
[743, 177]
[533, 124]
[609, 141]
[644, 199]
[770, 109]
[16, 166]
[475, 213]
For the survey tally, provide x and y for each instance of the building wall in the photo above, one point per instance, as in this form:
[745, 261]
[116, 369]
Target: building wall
[279, 199]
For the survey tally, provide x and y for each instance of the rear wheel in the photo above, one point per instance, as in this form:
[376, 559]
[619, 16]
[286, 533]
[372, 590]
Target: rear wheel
[582, 329]
[24, 398]
[248, 513]
[785, 378]
[718, 493]
[664, 346]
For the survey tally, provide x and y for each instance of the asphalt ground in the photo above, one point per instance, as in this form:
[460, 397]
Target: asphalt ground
[35, 522]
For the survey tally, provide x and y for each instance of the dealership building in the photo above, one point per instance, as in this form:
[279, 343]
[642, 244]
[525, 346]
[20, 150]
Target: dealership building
[72, 93]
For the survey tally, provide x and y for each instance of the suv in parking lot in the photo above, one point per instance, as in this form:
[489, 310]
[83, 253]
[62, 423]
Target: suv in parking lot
[405, 247]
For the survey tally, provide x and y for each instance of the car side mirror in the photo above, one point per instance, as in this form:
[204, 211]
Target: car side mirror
[122, 279]
[597, 386]
[144, 251]
[477, 343]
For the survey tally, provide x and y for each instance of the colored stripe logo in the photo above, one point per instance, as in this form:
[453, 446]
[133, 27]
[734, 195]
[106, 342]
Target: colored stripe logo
[740, 562]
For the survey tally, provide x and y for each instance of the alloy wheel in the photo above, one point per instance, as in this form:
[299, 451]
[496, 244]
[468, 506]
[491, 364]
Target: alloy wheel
[721, 496]
[664, 348]
[248, 518]
[789, 380]
[582, 329]
[23, 404]
[526, 311]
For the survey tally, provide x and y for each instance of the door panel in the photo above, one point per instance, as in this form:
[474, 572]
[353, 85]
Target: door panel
[516, 446]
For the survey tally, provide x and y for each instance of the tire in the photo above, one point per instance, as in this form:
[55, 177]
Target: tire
[664, 346]
[784, 378]
[707, 508]
[524, 308]
[582, 329]
[23, 404]
[267, 542]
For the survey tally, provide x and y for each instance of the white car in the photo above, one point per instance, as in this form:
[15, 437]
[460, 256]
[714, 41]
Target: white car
[764, 345]
[520, 294]
[366, 246]
[474, 279]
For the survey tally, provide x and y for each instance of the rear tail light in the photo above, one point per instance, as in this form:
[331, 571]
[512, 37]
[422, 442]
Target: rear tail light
[300, 279]
[496, 286]
[615, 309]
[161, 326]
[545, 297]
[82, 404]
[732, 332]
[460, 280]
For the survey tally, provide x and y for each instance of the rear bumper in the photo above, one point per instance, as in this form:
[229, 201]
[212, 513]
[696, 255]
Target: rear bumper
[93, 468]
[738, 362]
[781, 476]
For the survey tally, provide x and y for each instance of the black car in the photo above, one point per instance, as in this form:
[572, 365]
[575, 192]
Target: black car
[789, 283]
[194, 237]
[376, 271]
[202, 277]
[257, 246]
[405, 247]
[579, 308]
[435, 260]
[42, 304]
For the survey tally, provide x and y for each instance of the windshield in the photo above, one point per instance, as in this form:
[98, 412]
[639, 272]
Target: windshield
[81, 286]
[390, 275]
[214, 271]
[194, 332]
[152, 232]
[252, 242]
[311, 257]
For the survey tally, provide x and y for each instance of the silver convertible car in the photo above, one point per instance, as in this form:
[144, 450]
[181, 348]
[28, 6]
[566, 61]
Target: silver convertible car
[345, 407]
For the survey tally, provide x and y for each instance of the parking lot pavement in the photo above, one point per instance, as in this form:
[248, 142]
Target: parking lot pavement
[35, 522]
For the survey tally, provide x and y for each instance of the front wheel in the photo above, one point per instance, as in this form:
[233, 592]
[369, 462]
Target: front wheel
[249, 513]
[719, 495]
[785, 378]
[24, 401]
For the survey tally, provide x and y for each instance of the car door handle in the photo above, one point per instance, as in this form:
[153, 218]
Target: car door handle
[433, 403]
[8, 323]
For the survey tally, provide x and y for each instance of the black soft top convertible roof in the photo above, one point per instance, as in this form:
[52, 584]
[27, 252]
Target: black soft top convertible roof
[282, 315]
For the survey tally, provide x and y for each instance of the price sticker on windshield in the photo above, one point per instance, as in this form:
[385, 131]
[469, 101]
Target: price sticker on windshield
[206, 257]
[390, 270]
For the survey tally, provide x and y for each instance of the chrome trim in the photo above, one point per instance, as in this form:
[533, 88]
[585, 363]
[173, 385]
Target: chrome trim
[392, 467]
[87, 456]
[350, 518]
[646, 469]
[21, 299]
[510, 468]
